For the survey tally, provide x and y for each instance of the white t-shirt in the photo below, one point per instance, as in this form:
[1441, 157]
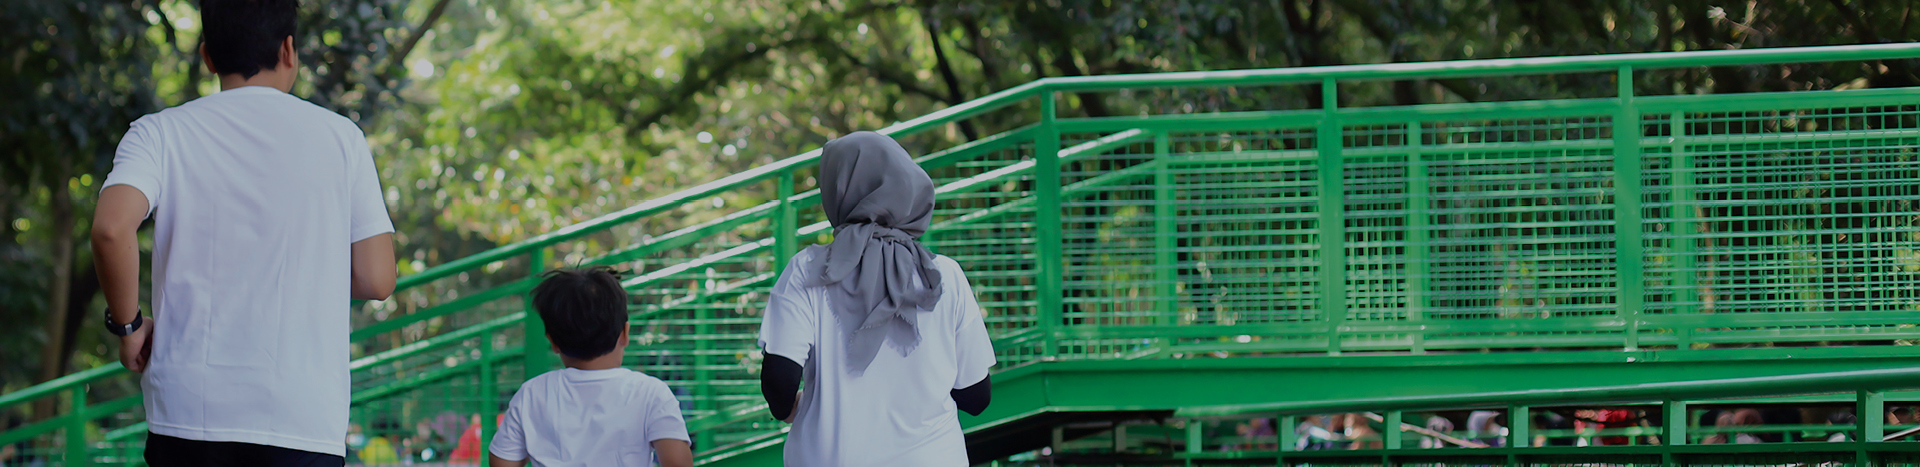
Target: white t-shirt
[257, 197]
[900, 410]
[571, 417]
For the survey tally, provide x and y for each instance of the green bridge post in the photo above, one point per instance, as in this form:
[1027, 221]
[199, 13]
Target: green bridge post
[1673, 428]
[489, 406]
[76, 429]
[1391, 437]
[536, 355]
[785, 228]
[1332, 221]
[1627, 225]
[1288, 437]
[1046, 184]
[1165, 243]
[1417, 205]
[1870, 412]
[1685, 278]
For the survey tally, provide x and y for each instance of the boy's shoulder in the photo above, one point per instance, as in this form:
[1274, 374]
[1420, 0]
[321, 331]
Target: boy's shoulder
[643, 382]
[648, 384]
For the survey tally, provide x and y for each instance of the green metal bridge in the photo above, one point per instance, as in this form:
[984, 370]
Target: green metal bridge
[1189, 285]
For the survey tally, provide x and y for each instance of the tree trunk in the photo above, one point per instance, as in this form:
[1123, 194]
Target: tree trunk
[61, 261]
[954, 95]
[81, 288]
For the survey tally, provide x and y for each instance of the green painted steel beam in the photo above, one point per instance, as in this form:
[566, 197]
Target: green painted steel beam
[1218, 387]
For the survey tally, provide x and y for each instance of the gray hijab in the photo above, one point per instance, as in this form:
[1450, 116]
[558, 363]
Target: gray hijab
[878, 275]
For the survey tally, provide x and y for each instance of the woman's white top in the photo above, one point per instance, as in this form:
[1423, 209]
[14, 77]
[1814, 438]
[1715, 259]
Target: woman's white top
[899, 411]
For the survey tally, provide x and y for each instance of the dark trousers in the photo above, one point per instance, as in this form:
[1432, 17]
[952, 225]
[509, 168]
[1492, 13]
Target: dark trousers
[168, 451]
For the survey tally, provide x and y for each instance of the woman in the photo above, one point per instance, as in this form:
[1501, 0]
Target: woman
[886, 334]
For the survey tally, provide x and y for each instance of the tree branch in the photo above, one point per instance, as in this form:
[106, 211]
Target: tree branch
[419, 32]
[697, 80]
[989, 68]
[1859, 23]
[166, 24]
[904, 82]
[954, 95]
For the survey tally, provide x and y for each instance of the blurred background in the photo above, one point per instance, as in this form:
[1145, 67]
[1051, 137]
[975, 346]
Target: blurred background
[495, 120]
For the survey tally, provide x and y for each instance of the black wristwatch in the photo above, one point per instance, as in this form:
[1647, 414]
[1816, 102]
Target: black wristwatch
[125, 329]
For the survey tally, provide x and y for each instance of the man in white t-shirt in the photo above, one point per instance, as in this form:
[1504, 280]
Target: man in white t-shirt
[593, 413]
[268, 222]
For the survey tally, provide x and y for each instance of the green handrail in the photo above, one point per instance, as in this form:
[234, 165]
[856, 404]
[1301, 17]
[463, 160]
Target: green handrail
[1052, 126]
[55, 385]
[1488, 67]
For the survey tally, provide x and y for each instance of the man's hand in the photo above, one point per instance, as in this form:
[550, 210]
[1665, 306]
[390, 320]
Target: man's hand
[137, 348]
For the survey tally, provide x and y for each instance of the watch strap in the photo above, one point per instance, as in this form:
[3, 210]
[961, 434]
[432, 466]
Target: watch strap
[118, 329]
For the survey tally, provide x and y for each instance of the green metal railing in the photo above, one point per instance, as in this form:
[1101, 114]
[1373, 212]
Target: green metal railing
[1680, 223]
[1673, 436]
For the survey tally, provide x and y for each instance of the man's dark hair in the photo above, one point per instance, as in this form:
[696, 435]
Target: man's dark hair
[585, 310]
[243, 36]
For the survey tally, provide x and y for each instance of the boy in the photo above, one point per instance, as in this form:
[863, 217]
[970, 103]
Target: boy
[268, 219]
[593, 412]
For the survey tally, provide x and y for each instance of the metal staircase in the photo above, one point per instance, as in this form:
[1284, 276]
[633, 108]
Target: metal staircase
[1155, 281]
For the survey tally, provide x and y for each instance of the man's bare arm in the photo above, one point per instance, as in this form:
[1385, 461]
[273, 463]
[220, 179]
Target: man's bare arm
[116, 254]
[496, 461]
[673, 453]
[373, 269]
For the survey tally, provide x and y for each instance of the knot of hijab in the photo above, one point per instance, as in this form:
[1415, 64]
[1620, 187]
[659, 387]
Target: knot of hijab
[878, 276]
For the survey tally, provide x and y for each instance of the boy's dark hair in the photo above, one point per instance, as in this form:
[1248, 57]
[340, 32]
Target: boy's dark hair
[243, 36]
[585, 310]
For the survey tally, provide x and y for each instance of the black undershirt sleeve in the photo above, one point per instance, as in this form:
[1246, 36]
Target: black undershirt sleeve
[779, 383]
[974, 399]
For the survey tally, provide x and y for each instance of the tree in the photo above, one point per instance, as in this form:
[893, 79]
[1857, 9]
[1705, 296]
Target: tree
[83, 62]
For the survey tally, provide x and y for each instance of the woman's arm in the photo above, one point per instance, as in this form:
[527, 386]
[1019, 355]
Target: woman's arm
[974, 399]
[780, 385]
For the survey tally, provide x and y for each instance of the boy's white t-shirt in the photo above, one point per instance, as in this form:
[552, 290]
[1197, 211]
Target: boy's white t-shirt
[900, 411]
[257, 197]
[572, 417]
